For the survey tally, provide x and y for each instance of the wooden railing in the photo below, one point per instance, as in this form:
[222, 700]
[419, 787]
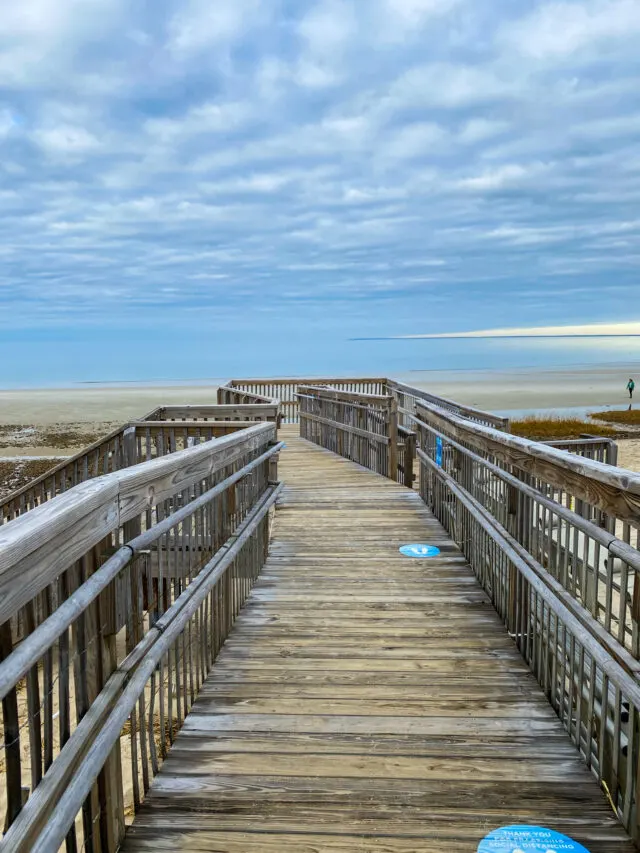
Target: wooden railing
[552, 537]
[162, 431]
[285, 391]
[408, 398]
[236, 395]
[360, 427]
[128, 585]
[116, 594]
[267, 411]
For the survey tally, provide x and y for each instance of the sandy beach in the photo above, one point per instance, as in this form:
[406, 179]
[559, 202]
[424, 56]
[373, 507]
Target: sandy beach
[56, 423]
[504, 390]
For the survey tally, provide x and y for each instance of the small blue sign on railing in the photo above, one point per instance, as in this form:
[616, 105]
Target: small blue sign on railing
[528, 839]
[438, 451]
[419, 550]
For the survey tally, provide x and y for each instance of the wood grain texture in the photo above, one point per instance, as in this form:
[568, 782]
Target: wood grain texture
[364, 701]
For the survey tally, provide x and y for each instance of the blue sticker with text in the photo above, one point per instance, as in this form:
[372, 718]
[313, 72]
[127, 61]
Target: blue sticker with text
[419, 550]
[439, 451]
[528, 839]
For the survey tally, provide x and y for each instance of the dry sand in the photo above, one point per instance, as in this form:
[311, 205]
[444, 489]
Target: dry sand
[629, 454]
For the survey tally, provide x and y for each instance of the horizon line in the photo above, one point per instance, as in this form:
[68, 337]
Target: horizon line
[476, 337]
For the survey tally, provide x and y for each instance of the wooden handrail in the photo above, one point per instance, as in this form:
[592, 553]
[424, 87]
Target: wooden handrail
[401, 390]
[45, 821]
[69, 587]
[334, 381]
[219, 412]
[517, 536]
[614, 490]
[37, 546]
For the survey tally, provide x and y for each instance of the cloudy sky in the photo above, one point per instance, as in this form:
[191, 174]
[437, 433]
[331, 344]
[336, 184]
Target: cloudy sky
[182, 181]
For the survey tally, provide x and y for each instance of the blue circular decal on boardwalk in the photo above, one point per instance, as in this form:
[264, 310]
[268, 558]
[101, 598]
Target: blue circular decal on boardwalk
[419, 550]
[528, 839]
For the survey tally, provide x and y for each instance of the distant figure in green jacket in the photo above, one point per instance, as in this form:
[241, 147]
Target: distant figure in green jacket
[630, 388]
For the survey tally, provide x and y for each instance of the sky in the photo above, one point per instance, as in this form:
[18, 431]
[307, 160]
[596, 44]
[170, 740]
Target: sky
[206, 187]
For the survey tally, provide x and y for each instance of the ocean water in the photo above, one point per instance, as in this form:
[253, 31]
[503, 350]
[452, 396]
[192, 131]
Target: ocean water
[395, 358]
[489, 354]
[214, 359]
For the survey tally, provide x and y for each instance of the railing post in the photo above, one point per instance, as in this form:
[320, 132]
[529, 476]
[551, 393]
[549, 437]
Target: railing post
[273, 468]
[129, 446]
[111, 787]
[409, 459]
[513, 523]
[392, 473]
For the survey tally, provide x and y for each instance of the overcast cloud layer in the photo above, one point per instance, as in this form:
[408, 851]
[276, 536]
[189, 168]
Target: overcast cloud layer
[368, 166]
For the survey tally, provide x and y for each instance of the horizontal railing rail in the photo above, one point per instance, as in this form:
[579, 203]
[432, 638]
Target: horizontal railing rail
[219, 412]
[131, 578]
[231, 394]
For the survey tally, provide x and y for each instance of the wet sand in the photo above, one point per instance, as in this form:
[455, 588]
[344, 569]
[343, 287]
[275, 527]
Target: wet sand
[586, 388]
[96, 404]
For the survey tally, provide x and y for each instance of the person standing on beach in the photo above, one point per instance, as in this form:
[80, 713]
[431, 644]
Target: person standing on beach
[630, 388]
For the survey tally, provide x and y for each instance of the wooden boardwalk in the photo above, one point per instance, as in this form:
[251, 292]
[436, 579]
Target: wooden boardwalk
[365, 701]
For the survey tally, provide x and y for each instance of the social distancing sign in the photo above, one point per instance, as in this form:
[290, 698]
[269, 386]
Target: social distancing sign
[419, 550]
[528, 839]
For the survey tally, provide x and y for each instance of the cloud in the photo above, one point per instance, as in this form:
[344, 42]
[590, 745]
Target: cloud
[561, 29]
[509, 176]
[66, 140]
[198, 25]
[241, 159]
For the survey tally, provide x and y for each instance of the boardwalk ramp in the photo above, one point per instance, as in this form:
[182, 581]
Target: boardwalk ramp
[365, 701]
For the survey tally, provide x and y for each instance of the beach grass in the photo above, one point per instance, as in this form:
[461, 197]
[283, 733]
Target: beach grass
[16, 473]
[60, 436]
[557, 429]
[629, 417]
